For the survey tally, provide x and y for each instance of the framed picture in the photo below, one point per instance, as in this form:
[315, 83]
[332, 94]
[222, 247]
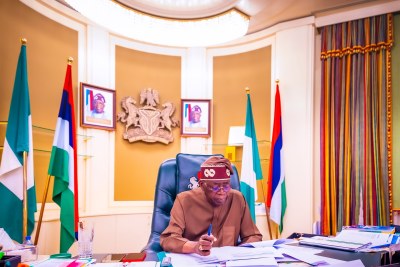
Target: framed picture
[196, 117]
[97, 107]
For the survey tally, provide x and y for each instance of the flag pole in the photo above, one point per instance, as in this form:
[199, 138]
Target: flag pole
[277, 226]
[24, 185]
[25, 200]
[46, 190]
[267, 213]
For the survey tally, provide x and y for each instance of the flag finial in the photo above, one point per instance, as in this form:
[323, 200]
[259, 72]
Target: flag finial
[247, 90]
[70, 60]
[277, 81]
[23, 41]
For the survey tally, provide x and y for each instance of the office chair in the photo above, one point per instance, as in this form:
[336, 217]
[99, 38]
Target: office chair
[175, 176]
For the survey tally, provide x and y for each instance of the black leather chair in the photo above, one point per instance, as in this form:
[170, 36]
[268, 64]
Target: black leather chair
[174, 176]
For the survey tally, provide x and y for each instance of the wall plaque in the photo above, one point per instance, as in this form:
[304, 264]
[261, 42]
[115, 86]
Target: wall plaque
[145, 121]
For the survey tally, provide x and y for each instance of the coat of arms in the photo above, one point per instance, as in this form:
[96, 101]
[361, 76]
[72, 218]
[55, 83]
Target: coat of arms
[147, 123]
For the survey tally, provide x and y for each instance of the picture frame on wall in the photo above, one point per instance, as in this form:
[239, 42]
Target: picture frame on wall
[196, 117]
[97, 107]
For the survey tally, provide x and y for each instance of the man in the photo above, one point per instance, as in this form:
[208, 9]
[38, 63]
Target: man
[99, 103]
[213, 203]
[195, 117]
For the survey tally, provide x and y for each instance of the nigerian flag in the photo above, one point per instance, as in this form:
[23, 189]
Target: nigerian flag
[63, 166]
[18, 140]
[251, 167]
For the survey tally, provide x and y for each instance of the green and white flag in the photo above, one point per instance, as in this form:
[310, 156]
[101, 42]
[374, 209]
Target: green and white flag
[251, 166]
[18, 140]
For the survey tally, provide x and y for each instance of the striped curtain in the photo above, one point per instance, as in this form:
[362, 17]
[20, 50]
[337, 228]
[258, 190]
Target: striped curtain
[355, 123]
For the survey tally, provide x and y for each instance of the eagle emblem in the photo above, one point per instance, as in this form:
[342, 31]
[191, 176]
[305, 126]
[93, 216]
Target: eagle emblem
[147, 122]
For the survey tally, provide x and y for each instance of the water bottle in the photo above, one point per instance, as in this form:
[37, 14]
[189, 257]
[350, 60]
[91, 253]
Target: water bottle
[30, 248]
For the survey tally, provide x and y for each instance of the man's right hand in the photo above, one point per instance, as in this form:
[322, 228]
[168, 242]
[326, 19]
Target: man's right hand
[201, 247]
[204, 245]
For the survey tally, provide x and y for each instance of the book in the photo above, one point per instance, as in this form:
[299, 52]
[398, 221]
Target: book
[371, 228]
[352, 240]
[327, 242]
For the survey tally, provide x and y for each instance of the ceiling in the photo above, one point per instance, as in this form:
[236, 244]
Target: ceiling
[263, 13]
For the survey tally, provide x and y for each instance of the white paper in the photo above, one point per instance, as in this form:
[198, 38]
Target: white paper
[54, 263]
[308, 249]
[269, 243]
[375, 239]
[223, 254]
[309, 257]
[261, 262]
[6, 241]
[355, 263]
[64, 262]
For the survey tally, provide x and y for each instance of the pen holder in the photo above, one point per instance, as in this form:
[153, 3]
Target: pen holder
[13, 261]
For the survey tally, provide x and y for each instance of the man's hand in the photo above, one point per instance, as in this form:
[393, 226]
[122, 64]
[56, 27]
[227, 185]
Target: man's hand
[204, 245]
[201, 247]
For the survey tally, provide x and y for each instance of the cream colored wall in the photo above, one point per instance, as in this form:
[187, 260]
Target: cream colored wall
[124, 226]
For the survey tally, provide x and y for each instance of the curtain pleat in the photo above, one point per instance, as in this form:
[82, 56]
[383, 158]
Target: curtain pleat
[355, 88]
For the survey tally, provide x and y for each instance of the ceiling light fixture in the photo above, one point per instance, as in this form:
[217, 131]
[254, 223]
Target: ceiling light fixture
[137, 25]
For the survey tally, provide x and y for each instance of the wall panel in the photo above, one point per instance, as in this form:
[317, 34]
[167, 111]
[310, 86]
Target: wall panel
[48, 47]
[136, 164]
[232, 74]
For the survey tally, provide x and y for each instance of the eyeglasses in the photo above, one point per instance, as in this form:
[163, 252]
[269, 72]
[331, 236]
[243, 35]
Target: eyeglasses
[216, 188]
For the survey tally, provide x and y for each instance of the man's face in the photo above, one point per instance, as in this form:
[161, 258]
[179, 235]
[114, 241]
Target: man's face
[98, 106]
[196, 116]
[216, 191]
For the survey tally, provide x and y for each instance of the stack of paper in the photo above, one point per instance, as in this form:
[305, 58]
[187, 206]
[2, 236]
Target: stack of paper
[328, 242]
[241, 256]
[370, 228]
[353, 240]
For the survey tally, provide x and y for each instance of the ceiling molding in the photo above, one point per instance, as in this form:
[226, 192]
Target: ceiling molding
[358, 13]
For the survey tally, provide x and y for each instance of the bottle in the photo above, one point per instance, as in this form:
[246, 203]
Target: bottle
[31, 248]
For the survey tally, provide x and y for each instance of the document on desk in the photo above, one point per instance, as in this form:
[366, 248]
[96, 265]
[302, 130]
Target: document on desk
[374, 238]
[223, 254]
[131, 264]
[269, 243]
[73, 262]
[327, 242]
[6, 241]
[350, 240]
[54, 262]
[308, 257]
[355, 263]
[261, 262]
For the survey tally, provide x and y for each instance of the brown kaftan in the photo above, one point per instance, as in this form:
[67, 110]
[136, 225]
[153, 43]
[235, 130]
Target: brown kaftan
[192, 214]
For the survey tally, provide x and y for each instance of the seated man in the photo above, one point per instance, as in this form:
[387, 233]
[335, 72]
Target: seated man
[213, 203]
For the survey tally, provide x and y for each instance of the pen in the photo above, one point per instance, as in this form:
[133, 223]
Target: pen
[209, 229]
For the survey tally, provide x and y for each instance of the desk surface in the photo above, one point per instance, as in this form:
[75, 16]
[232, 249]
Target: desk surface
[368, 259]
